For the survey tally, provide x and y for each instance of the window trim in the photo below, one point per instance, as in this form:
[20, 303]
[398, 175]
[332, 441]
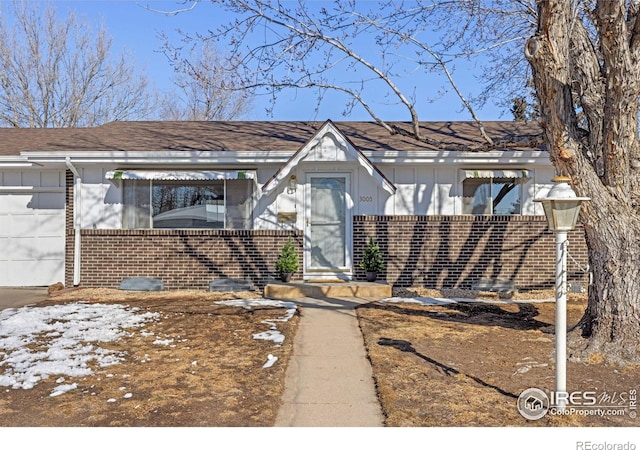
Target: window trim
[150, 185]
[520, 176]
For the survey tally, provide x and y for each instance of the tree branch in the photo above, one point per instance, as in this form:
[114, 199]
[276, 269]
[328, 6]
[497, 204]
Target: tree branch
[588, 84]
[172, 12]
[548, 53]
[620, 113]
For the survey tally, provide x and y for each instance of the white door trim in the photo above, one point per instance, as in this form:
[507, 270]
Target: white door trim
[345, 272]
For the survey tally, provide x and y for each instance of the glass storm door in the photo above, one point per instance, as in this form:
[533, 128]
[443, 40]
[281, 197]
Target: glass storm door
[328, 224]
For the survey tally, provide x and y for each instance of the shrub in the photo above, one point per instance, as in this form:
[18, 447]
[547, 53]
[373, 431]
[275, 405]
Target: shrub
[372, 258]
[288, 259]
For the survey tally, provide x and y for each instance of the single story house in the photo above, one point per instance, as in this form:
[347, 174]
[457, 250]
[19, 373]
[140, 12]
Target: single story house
[190, 202]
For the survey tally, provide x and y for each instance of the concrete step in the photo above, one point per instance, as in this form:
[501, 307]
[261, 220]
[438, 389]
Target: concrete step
[358, 289]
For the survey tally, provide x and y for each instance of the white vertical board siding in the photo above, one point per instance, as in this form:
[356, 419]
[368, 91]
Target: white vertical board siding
[417, 191]
[265, 214]
[32, 228]
[405, 200]
[448, 191]
[541, 186]
[528, 194]
[386, 201]
[425, 190]
[328, 149]
[366, 196]
[101, 199]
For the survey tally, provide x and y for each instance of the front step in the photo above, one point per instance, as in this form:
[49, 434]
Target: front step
[359, 289]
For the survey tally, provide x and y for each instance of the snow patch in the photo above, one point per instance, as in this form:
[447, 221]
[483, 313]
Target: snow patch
[250, 303]
[272, 334]
[61, 340]
[434, 301]
[63, 388]
[271, 360]
[419, 300]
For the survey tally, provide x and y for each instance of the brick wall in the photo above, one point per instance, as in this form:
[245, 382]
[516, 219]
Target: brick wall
[453, 251]
[183, 259]
[429, 251]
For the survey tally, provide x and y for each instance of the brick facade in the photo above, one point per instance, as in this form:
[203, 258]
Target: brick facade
[428, 251]
[183, 259]
[453, 251]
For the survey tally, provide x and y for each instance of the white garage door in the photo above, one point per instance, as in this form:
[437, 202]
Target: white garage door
[32, 228]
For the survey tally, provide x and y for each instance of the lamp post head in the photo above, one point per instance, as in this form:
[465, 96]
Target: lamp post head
[561, 205]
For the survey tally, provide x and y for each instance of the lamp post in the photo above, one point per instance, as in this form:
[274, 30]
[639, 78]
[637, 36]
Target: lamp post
[561, 207]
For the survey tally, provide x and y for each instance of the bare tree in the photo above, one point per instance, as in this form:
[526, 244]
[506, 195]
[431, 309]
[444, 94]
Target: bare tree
[60, 73]
[206, 90]
[275, 46]
[585, 60]
[593, 54]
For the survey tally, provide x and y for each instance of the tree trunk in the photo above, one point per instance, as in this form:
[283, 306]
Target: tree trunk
[601, 160]
[610, 327]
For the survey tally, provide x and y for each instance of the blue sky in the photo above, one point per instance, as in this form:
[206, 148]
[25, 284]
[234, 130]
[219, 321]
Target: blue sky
[135, 28]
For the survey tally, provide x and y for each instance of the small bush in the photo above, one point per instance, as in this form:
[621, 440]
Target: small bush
[288, 259]
[372, 258]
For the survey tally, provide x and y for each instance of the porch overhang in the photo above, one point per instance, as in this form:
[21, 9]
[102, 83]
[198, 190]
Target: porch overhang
[497, 173]
[282, 175]
[181, 175]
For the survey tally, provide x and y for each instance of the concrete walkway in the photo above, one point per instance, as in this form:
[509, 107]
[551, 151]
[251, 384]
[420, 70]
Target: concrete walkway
[329, 380]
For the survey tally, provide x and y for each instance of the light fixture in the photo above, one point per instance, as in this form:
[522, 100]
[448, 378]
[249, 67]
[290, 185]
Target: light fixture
[561, 206]
[292, 186]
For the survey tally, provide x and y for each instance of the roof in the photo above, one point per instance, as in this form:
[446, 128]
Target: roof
[260, 135]
[347, 147]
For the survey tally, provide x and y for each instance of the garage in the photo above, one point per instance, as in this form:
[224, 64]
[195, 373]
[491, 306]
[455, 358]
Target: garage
[32, 228]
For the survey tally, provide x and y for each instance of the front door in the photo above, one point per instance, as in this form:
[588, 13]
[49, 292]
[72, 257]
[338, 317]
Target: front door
[328, 226]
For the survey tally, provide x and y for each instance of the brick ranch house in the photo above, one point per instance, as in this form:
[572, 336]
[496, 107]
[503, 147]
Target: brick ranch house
[190, 202]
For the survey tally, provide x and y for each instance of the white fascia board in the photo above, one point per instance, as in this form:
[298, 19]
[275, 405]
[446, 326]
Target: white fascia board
[252, 157]
[434, 157]
[31, 189]
[15, 161]
[12, 165]
[27, 159]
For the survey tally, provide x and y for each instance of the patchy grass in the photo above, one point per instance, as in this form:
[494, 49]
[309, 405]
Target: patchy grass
[465, 364]
[206, 370]
[454, 365]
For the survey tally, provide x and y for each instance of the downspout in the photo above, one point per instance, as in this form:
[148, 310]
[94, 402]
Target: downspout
[77, 214]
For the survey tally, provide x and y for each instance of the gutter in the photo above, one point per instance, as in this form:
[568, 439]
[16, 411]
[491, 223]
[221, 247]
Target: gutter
[77, 214]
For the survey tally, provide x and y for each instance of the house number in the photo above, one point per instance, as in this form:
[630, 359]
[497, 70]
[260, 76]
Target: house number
[366, 199]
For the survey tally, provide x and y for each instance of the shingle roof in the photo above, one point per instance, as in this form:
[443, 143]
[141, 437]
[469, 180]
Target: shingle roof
[256, 135]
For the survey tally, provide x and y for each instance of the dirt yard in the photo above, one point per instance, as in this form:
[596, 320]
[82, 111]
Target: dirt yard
[456, 365]
[465, 364]
[211, 374]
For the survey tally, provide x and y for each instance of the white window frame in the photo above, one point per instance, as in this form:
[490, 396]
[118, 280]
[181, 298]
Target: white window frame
[151, 226]
[521, 176]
